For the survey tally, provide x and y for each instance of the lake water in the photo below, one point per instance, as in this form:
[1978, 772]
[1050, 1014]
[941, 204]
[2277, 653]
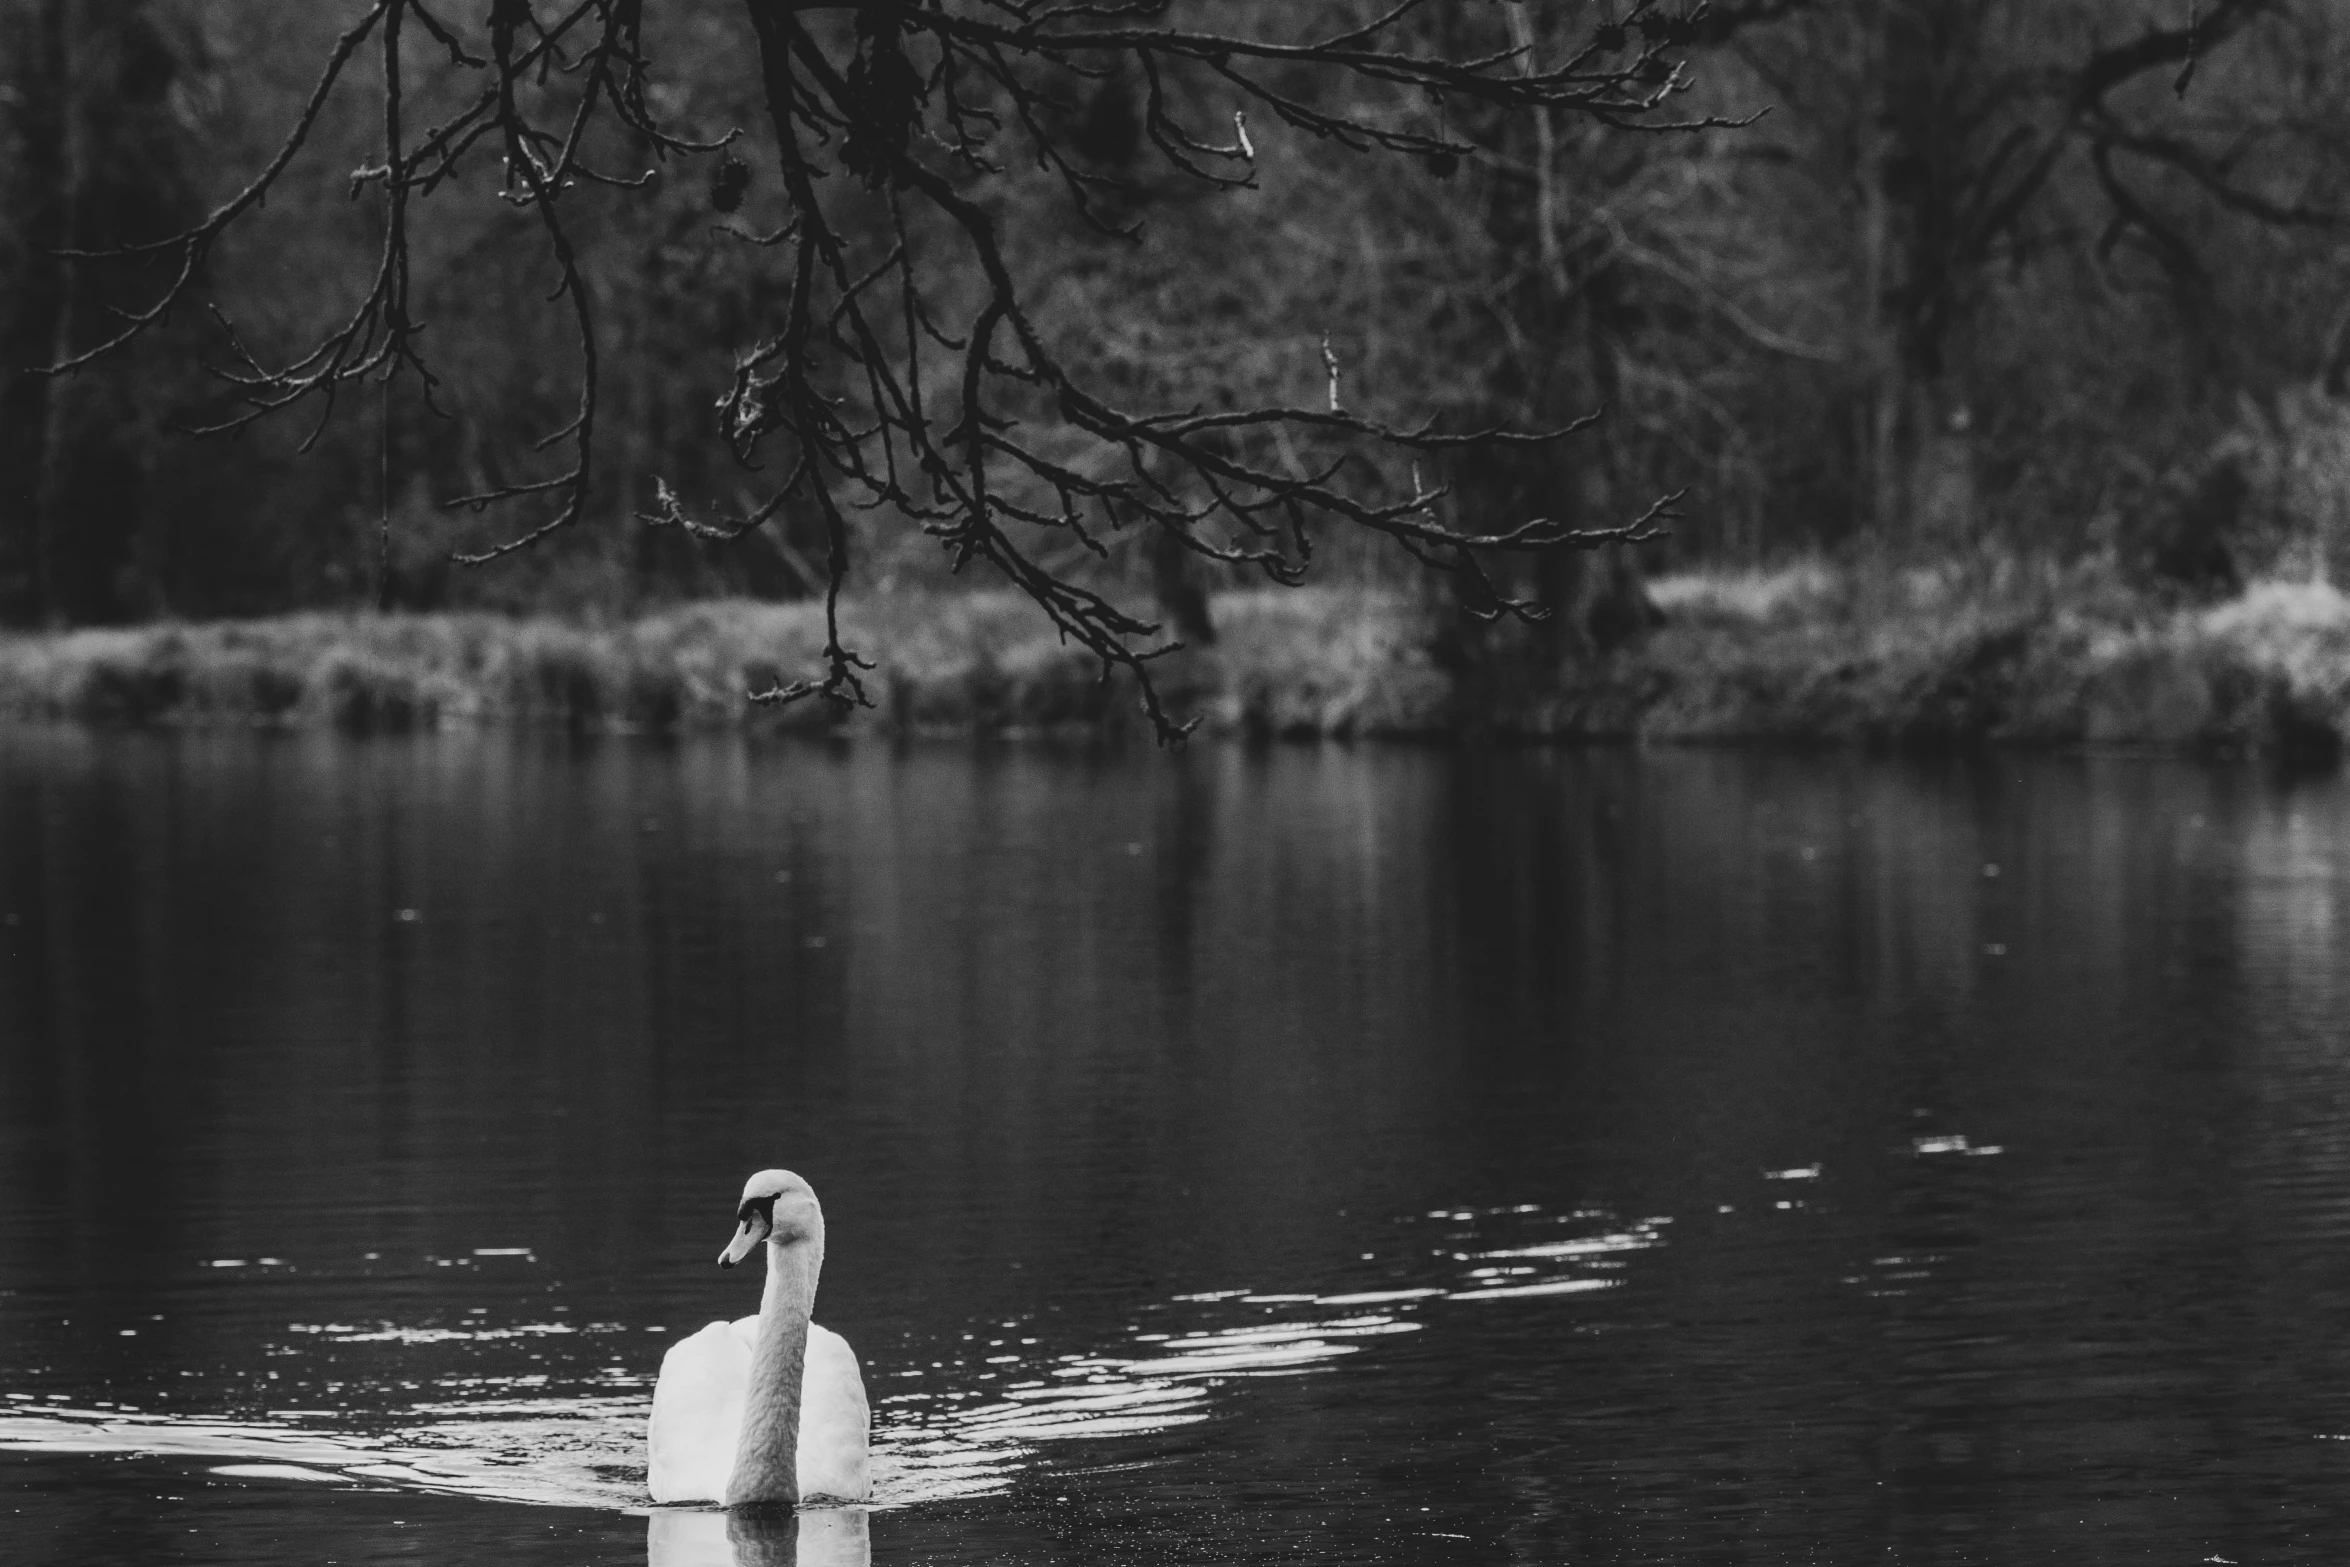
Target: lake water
[1298, 1155]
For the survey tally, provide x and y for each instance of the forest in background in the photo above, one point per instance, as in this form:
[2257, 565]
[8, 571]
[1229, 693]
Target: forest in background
[1983, 278]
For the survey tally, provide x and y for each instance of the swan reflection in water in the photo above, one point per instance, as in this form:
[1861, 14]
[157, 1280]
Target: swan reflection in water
[820, 1537]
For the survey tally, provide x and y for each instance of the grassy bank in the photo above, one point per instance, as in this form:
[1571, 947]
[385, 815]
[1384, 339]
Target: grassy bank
[1806, 653]
[2002, 654]
[1316, 662]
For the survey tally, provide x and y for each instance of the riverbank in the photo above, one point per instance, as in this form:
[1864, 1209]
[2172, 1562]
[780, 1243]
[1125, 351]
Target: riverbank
[2007, 654]
[1314, 662]
[1806, 653]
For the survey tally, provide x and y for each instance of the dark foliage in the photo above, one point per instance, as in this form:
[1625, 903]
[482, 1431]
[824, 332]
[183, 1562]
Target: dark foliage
[1132, 301]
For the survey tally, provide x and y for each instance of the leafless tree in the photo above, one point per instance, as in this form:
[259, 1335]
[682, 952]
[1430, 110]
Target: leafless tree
[1978, 134]
[905, 373]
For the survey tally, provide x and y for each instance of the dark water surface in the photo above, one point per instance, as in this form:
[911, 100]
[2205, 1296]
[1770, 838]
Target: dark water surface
[1303, 1156]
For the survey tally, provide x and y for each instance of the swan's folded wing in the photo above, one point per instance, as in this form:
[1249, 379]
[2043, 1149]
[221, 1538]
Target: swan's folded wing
[697, 1416]
[834, 1422]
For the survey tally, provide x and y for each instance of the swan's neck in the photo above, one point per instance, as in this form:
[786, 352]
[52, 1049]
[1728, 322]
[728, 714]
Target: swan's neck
[766, 1460]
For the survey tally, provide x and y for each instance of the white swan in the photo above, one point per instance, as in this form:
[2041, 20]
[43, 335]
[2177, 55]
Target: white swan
[770, 1410]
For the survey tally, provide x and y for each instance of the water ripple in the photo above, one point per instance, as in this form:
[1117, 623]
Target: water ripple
[929, 1445]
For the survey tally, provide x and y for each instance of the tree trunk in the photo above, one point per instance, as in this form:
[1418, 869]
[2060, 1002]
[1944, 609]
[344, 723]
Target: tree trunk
[119, 182]
[1175, 583]
[1569, 307]
[34, 205]
[1921, 447]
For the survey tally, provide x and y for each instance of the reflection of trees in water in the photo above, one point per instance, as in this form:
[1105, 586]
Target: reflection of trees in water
[2292, 864]
[1679, 970]
[1556, 978]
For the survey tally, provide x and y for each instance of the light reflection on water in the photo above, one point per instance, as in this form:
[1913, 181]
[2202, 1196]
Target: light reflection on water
[829, 1537]
[1364, 1156]
[929, 1446]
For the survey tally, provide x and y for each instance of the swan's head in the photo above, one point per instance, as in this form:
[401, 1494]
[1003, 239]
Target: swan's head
[777, 1206]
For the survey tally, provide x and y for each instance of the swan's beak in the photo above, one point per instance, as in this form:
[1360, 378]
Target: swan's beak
[750, 1233]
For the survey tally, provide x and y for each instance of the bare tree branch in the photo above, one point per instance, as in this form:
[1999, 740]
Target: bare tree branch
[907, 376]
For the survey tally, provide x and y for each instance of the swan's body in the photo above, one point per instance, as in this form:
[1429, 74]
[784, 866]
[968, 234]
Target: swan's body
[768, 1410]
[698, 1416]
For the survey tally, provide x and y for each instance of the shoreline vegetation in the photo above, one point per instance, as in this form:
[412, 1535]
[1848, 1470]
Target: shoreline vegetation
[2006, 653]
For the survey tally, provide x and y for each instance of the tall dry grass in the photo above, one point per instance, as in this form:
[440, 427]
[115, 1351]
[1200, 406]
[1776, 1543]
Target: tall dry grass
[1306, 661]
[1996, 651]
